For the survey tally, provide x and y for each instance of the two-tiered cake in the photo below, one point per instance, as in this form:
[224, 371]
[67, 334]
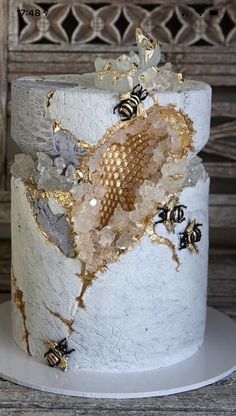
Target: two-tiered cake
[110, 215]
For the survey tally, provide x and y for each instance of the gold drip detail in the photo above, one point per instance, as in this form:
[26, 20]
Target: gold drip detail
[162, 240]
[18, 299]
[67, 322]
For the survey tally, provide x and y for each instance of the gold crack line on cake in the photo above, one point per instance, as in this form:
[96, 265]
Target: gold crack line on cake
[67, 322]
[88, 278]
[157, 239]
[18, 299]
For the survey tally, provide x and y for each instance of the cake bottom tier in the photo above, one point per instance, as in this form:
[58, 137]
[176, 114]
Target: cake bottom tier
[142, 313]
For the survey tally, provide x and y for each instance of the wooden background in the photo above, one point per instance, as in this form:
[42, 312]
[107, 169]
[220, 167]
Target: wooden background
[199, 38]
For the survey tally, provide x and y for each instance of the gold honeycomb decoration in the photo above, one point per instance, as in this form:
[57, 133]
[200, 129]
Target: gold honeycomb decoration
[122, 173]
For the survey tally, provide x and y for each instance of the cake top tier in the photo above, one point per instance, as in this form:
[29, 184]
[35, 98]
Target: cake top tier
[87, 105]
[42, 105]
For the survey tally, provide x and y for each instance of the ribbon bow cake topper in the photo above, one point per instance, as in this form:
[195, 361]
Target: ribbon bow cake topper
[123, 73]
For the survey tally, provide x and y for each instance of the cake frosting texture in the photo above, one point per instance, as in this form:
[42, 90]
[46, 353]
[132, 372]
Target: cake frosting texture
[110, 215]
[87, 113]
[140, 314]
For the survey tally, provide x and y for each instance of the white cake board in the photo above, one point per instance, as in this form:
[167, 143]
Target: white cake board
[214, 361]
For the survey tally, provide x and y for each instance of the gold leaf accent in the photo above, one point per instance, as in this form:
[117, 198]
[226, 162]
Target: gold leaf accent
[183, 126]
[87, 279]
[162, 240]
[49, 98]
[18, 299]
[68, 322]
[56, 126]
[64, 198]
[176, 176]
[116, 75]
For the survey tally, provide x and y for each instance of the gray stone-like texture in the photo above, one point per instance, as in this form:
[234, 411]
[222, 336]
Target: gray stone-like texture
[55, 226]
[67, 148]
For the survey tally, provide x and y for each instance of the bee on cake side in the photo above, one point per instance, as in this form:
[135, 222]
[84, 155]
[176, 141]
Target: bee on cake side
[57, 355]
[190, 237]
[171, 214]
[131, 103]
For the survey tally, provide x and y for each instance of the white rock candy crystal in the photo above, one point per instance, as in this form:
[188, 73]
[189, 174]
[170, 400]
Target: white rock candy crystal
[123, 73]
[23, 167]
[49, 174]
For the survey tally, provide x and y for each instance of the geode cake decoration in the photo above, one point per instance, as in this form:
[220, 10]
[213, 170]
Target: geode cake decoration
[102, 203]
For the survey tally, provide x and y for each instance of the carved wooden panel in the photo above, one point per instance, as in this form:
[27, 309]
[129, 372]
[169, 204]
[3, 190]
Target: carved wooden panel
[3, 89]
[197, 23]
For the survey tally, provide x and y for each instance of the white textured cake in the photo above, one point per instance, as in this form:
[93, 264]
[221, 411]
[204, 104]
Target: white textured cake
[110, 215]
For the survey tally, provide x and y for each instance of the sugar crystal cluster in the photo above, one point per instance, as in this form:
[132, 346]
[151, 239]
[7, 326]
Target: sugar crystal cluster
[123, 73]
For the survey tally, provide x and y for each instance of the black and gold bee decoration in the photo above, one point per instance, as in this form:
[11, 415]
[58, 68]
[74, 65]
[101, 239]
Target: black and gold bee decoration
[57, 355]
[171, 214]
[131, 103]
[190, 237]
